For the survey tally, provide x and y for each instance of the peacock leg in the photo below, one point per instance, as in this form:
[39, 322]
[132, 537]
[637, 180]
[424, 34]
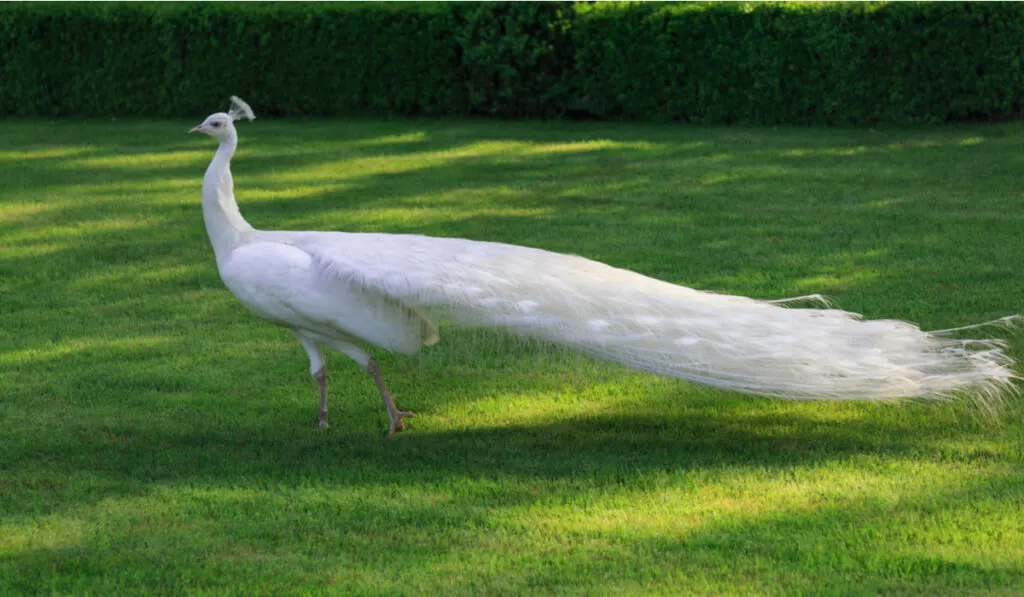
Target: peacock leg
[318, 369]
[321, 382]
[394, 414]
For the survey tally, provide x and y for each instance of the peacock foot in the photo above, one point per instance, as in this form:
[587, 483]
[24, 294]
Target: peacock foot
[397, 424]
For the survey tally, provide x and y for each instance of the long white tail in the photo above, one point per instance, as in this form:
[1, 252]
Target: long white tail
[733, 342]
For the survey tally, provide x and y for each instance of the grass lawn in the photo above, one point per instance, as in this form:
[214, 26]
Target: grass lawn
[156, 438]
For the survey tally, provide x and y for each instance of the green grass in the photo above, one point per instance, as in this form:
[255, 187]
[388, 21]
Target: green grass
[155, 438]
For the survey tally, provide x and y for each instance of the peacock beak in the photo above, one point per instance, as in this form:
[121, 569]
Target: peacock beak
[197, 128]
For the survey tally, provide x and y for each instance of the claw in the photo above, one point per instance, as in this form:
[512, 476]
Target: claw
[397, 424]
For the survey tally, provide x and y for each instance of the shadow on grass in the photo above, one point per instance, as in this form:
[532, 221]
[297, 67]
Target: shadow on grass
[140, 373]
[232, 505]
[167, 427]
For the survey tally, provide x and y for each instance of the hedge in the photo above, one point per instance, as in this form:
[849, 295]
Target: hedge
[763, 63]
[797, 64]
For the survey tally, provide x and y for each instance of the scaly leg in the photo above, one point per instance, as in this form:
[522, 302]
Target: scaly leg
[394, 414]
[321, 382]
[318, 369]
[319, 372]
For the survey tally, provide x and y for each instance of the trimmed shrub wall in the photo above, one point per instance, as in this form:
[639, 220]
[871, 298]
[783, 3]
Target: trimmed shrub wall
[763, 63]
[796, 64]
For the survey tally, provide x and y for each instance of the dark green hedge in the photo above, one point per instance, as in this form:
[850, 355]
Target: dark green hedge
[768, 63]
[758, 62]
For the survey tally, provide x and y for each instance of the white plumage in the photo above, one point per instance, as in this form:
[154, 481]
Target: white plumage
[341, 290]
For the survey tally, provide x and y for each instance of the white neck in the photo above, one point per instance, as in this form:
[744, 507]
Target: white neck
[224, 223]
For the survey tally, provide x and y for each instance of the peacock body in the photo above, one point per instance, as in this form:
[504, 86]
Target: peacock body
[344, 290]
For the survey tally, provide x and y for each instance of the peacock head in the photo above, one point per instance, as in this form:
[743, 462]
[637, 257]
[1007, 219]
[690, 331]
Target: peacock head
[221, 126]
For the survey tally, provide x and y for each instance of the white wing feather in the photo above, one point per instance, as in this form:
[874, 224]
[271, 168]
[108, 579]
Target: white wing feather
[731, 342]
[282, 284]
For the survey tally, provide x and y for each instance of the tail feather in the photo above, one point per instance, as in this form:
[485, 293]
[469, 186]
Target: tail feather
[758, 347]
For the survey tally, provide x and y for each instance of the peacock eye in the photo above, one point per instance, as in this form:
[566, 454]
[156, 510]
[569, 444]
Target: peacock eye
[216, 125]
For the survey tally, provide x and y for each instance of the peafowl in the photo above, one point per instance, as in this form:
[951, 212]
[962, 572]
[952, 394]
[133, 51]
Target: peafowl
[345, 290]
